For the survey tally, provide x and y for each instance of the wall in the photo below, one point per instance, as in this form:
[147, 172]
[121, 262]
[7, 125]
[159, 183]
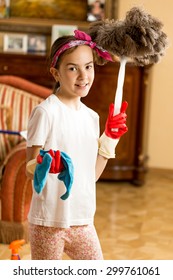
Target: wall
[160, 141]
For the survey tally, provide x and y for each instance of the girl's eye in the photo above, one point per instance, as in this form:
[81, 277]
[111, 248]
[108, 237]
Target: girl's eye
[89, 66]
[73, 69]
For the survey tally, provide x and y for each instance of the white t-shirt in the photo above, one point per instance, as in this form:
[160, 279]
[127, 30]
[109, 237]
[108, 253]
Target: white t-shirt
[54, 125]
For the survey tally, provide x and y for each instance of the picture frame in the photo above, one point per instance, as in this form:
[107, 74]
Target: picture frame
[37, 43]
[59, 30]
[4, 8]
[96, 10]
[15, 43]
[108, 10]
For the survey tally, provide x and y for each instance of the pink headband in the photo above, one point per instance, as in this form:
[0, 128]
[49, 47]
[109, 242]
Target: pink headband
[82, 39]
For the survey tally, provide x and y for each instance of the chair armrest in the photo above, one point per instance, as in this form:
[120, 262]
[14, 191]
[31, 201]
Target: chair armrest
[16, 188]
[25, 85]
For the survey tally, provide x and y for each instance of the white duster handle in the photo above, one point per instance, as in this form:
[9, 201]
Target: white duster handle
[120, 83]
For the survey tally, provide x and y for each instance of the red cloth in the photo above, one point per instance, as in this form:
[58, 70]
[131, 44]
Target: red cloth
[57, 164]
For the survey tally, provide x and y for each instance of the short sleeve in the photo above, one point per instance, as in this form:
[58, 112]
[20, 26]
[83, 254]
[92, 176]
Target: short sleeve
[38, 127]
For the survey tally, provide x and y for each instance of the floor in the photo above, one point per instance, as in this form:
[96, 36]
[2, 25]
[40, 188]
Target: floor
[133, 223]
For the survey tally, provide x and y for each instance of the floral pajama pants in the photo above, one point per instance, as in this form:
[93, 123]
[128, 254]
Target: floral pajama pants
[78, 242]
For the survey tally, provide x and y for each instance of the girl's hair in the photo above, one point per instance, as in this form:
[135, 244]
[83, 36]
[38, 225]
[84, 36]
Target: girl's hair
[58, 43]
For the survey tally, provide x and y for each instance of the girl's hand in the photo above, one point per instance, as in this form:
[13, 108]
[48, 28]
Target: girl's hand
[116, 125]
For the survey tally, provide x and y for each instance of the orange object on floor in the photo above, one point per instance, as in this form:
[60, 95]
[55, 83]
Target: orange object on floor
[15, 246]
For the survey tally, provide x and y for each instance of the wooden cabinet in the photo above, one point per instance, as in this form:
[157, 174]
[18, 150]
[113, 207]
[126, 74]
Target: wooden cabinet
[131, 153]
[130, 163]
[29, 66]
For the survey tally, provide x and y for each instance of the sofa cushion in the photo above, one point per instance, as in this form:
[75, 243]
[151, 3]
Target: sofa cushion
[15, 107]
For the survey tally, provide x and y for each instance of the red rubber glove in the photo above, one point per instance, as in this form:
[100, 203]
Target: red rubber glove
[56, 165]
[116, 125]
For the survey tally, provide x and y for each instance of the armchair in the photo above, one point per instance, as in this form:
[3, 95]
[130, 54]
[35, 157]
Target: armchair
[17, 99]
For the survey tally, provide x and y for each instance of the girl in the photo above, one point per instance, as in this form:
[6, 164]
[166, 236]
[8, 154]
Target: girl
[63, 123]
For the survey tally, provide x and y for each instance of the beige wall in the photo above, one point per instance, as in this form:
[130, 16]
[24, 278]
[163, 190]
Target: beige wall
[160, 141]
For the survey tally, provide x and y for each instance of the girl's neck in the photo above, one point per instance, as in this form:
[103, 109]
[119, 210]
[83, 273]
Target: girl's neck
[71, 102]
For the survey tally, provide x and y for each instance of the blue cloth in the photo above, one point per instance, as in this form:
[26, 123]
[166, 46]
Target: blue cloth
[67, 174]
[42, 170]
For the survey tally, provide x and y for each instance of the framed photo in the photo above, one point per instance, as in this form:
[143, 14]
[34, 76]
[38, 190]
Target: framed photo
[61, 30]
[15, 42]
[37, 43]
[4, 8]
[96, 10]
[102, 9]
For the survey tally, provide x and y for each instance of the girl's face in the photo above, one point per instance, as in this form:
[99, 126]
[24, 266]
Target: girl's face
[76, 73]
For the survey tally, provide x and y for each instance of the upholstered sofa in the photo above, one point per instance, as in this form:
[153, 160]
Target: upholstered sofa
[17, 99]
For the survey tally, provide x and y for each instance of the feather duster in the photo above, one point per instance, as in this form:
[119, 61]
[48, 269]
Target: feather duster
[139, 37]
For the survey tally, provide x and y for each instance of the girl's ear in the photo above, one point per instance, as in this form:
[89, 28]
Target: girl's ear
[54, 73]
